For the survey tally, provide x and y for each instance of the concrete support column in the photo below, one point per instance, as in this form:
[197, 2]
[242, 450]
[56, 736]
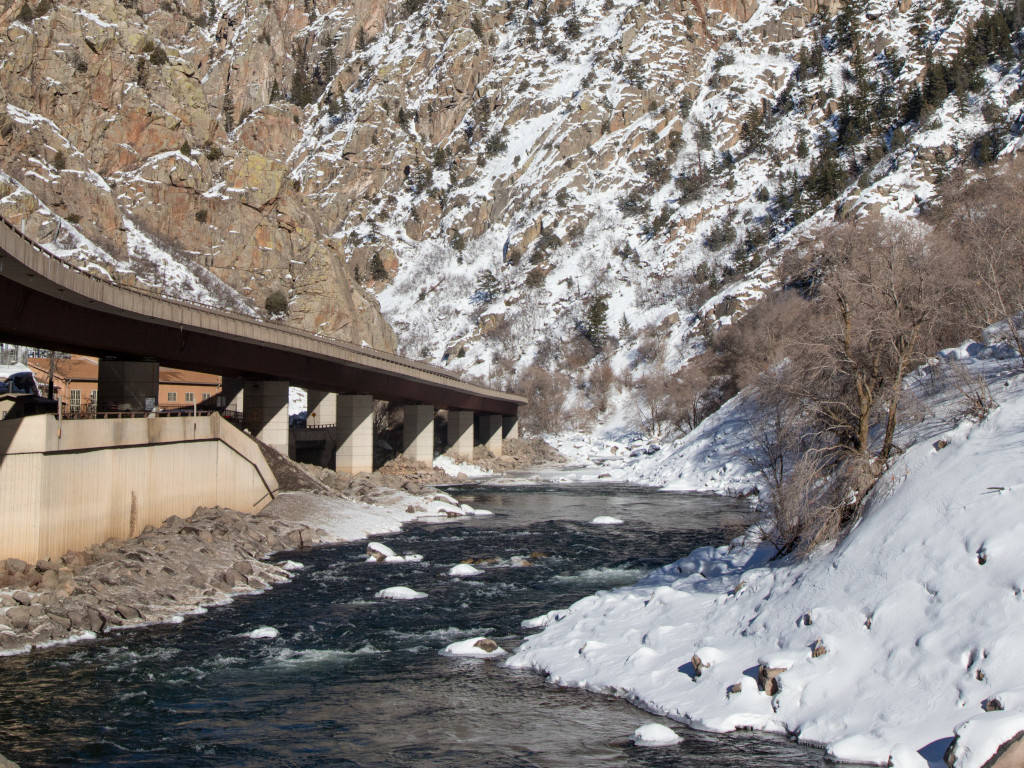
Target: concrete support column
[265, 413]
[510, 427]
[490, 432]
[321, 408]
[418, 434]
[232, 395]
[127, 385]
[355, 434]
[460, 434]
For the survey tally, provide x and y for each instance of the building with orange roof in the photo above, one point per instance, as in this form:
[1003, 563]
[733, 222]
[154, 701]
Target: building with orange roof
[75, 383]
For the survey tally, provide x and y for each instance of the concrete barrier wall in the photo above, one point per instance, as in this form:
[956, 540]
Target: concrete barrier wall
[69, 486]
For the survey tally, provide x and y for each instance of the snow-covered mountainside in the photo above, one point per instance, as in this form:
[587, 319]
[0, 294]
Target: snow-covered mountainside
[519, 183]
[881, 645]
[678, 149]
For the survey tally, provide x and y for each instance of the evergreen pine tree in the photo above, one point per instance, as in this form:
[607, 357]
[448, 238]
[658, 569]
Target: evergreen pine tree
[573, 29]
[328, 64]
[377, 269]
[595, 320]
[302, 90]
[920, 25]
[228, 108]
[846, 24]
[935, 90]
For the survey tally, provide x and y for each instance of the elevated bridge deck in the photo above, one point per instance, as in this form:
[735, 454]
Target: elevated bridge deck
[46, 302]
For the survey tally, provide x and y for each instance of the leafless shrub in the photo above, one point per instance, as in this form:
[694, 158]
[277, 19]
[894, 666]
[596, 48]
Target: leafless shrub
[600, 383]
[674, 400]
[985, 221]
[576, 353]
[975, 396]
[547, 392]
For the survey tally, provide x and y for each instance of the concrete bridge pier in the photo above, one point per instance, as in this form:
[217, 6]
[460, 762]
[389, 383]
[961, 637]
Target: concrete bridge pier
[232, 395]
[321, 408]
[490, 428]
[354, 434]
[460, 434]
[127, 385]
[418, 434]
[265, 413]
[510, 427]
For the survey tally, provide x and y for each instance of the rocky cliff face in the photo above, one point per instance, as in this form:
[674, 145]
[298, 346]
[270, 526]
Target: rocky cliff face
[134, 124]
[494, 170]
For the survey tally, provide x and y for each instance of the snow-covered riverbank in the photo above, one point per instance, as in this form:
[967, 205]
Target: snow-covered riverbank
[882, 646]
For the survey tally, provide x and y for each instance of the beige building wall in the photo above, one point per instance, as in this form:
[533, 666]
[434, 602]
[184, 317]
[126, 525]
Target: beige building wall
[68, 486]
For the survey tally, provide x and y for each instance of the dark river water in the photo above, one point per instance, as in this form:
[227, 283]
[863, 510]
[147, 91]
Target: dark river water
[355, 681]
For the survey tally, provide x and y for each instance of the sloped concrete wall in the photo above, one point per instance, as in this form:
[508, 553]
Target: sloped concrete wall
[67, 486]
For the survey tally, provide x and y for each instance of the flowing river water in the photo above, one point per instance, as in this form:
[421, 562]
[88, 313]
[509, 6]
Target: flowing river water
[355, 681]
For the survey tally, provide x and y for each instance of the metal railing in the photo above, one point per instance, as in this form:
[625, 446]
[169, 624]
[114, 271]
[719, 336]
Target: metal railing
[76, 415]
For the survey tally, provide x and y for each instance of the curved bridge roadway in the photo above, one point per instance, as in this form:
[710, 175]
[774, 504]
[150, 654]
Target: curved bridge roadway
[48, 303]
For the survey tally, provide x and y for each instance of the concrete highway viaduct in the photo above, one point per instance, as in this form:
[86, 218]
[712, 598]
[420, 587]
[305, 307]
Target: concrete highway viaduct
[46, 302]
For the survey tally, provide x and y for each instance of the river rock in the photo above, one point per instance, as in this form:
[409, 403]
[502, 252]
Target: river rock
[22, 598]
[768, 679]
[378, 552]
[655, 735]
[705, 658]
[128, 612]
[18, 617]
[475, 647]
[5, 763]
[990, 740]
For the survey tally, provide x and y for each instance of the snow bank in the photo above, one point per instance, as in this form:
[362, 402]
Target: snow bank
[456, 468]
[979, 738]
[893, 638]
[712, 457]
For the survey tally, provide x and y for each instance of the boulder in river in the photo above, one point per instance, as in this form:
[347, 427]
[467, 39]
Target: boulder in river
[655, 735]
[475, 647]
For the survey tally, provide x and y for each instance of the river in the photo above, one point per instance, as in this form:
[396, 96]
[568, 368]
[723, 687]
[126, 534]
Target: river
[351, 680]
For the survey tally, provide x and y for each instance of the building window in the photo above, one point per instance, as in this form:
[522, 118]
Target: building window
[75, 399]
[172, 397]
[190, 397]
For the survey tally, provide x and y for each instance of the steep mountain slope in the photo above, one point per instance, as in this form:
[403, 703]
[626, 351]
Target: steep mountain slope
[518, 182]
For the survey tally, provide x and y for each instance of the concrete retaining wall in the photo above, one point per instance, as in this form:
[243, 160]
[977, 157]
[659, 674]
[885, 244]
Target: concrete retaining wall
[71, 485]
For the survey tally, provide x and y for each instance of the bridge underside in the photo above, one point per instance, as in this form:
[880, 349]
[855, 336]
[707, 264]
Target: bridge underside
[37, 318]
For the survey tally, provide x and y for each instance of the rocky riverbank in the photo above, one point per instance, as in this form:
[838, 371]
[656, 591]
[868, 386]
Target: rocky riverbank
[185, 565]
